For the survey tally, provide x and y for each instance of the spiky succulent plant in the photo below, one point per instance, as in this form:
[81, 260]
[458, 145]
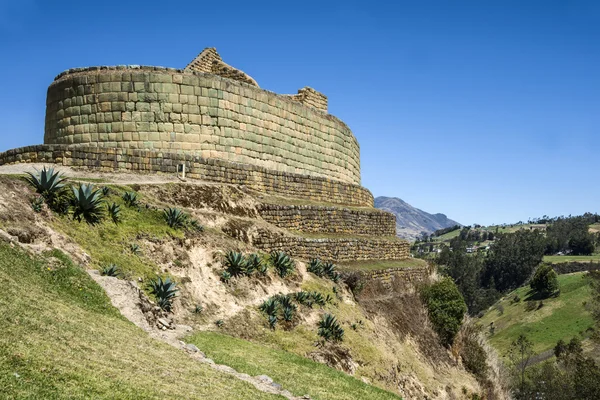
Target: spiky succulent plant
[110, 270]
[283, 264]
[235, 263]
[164, 290]
[315, 266]
[46, 182]
[330, 329]
[175, 217]
[130, 199]
[114, 212]
[87, 204]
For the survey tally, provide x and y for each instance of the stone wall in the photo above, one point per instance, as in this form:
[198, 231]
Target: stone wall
[411, 275]
[210, 61]
[168, 110]
[310, 97]
[215, 170]
[337, 250]
[318, 219]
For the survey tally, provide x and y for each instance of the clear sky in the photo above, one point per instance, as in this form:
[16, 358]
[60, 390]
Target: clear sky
[487, 111]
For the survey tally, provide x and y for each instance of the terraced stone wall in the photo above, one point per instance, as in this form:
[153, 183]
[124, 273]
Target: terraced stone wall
[337, 250]
[215, 170]
[169, 110]
[317, 219]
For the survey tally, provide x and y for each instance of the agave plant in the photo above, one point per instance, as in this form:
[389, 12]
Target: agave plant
[105, 191]
[114, 212]
[175, 217]
[256, 263]
[135, 248]
[288, 314]
[302, 297]
[87, 204]
[110, 270]
[269, 306]
[219, 323]
[317, 298]
[46, 182]
[130, 199]
[164, 290]
[315, 266]
[225, 277]
[272, 321]
[330, 329]
[329, 270]
[194, 225]
[198, 309]
[37, 203]
[283, 264]
[235, 263]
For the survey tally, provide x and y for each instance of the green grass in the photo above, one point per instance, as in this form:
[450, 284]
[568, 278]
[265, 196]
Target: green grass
[298, 374]
[447, 236]
[382, 264]
[61, 338]
[562, 317]
[563, 259]
[108, 243]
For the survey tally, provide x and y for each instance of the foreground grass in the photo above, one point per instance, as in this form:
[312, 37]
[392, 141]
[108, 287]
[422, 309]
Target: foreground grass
[373, 265]
[562, 317]
[564, 259]
[61, 338]
[298, 374]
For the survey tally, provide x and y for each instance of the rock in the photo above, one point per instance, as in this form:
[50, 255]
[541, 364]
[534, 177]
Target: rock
[164, 322]
[192, 348]
[209, 361]
[276, 385]
[265, 379]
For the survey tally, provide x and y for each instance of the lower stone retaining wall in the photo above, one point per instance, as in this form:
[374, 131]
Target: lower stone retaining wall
[337, 250]
[316, 219]
[215, 170]
[412, 275]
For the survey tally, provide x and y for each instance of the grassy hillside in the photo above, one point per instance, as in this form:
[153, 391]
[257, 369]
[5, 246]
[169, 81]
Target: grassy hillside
[562, 317]
[299, 375]
[563, 259]
[61, 338]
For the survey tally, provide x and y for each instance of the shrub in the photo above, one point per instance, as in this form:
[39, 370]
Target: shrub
[330, 329]
[175, 217]
[235, 263]
[544, 281]
[283, 264]
[472, 352]
[164, 291]
[446, 308]
[47, 183]
[110, 270]
[130, 199]
[114, 212]
[354, 281]
[87, 203]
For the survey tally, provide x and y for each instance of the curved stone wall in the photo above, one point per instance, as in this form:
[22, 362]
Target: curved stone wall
[164, 109]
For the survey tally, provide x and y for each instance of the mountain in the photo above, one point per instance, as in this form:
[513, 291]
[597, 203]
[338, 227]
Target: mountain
[410, 221]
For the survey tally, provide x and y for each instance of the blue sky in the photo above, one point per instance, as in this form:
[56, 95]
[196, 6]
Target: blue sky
[487, 111]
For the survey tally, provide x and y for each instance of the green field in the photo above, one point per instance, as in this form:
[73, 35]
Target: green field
[563, 259]
[298, 374]
[61, 338]
[562, 317]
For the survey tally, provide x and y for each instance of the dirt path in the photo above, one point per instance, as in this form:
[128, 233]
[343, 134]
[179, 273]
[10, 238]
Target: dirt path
[125, 296]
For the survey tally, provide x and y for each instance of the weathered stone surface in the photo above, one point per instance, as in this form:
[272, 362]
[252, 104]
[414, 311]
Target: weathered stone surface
[228, 119]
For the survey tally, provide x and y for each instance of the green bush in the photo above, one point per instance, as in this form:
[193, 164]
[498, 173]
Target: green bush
[545, 280]
[283, 264]
[330, 329]
[164, 291]
[87, 204]
[446, 308]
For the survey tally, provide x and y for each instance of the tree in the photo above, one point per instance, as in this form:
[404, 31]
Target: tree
[446, 308]
[512, 258]
[545, 280]
[519, 354]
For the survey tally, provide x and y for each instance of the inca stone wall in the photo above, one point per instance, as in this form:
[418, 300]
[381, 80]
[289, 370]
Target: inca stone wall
[215, 170]
[168, 110]
[210, 61]
[318, 219]
[310, 97]
[337, 250]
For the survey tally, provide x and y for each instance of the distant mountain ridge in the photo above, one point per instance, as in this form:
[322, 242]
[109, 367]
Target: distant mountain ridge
[412, 222]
